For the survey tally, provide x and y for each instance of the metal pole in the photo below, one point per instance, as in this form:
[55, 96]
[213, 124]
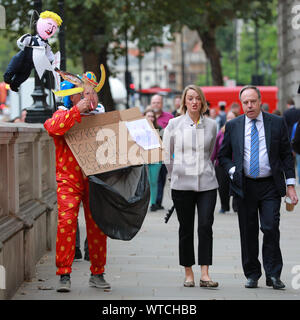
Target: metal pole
[20, 101]
[155, 66]
[61, 36]
[256, 48]
[40, 111]
[236, 52]
[182, 61]
[207, 71]
[126, 69]
[140, 57]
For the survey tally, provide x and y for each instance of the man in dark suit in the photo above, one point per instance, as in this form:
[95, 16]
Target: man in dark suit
[256, 152]
[291, 115]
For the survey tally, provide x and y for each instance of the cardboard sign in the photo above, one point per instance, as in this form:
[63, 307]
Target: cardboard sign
[102, 142]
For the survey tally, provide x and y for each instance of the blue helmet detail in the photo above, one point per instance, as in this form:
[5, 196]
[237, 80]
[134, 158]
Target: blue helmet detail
[64, 86]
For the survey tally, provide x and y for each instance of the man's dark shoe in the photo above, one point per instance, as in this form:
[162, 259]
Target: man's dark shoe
[159, 207]
[78, 254]
[87, 256]
[274, 282]
[251, 283]
[64, 284]
[153, 207]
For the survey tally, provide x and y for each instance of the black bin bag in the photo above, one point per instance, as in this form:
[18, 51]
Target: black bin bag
[119, 201]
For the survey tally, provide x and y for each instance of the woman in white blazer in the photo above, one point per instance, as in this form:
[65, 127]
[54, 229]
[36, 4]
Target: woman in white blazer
[188, 144]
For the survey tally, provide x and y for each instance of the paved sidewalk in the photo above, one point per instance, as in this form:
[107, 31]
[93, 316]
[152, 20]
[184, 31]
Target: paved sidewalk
[147, 266]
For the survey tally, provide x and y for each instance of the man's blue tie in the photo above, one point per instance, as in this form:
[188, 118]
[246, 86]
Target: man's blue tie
[254, 151]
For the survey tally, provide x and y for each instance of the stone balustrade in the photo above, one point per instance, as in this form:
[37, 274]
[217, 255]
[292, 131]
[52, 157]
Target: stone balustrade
[28, 202]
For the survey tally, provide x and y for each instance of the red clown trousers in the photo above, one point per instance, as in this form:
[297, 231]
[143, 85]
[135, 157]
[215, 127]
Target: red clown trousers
[68, 203]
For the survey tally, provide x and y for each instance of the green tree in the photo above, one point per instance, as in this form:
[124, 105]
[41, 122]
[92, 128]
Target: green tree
[267, 60]
[7, 50]
[94, 29]
[206, 17]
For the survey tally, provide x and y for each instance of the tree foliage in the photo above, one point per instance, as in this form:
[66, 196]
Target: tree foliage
[206, 17]
[95, 29]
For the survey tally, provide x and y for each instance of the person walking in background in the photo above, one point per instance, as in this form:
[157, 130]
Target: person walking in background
[291, 115]
[221, 118]
[72, 189]
[188, 144]
[256, 153]
[153, 168]
[296, 152]
[265, 107]
[235, 108]
[214, 116]
[177, 102]
[78, 254]
[222, 176]
[162, 119]
[277, 112]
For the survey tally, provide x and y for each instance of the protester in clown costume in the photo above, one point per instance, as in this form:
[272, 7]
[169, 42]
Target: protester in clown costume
[73, 185]
[22, 63]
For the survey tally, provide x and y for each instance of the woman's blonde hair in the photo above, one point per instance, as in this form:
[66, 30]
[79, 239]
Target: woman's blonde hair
[204, 106]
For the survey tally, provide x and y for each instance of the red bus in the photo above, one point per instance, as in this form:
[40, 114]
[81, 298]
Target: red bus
[214, 95]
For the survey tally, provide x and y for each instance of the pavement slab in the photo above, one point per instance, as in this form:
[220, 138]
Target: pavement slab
[146, 268]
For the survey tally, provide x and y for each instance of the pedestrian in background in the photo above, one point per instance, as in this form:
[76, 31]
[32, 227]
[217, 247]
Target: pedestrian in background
[162, 119]
[296, 151]
[256, 153]
[153, 168]
[189, 141]
[235, 108]
[277, 112]
[222, 176]
[221, 118]
[214, 116]
[265, 107]
[177, 103]
[291, 115]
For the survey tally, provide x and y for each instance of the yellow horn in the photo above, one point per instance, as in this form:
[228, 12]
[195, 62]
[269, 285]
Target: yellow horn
[102, 80]
[68, 92]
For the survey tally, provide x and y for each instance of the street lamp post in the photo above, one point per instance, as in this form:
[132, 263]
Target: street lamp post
[127, 82]
[40, 111]
[61, 36]
[182, 61]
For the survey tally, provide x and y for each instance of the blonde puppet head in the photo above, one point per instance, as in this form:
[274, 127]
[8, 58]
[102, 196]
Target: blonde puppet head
[47, 24]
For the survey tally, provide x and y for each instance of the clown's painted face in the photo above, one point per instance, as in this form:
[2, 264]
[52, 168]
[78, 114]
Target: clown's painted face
[46, 28]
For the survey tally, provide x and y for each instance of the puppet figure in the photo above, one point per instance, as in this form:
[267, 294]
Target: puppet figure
[35, 51]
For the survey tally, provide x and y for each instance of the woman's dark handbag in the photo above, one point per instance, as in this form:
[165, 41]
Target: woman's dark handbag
[119, 201]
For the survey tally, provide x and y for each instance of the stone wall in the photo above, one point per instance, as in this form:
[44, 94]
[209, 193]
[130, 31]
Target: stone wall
[288, 78]
[27, 201]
